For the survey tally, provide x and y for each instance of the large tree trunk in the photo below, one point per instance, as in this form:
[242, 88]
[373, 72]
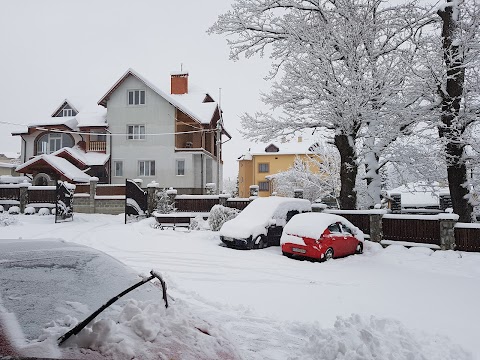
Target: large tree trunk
[348, 172]
[451, 129]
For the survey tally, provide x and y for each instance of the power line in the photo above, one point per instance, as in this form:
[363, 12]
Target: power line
[108, 133]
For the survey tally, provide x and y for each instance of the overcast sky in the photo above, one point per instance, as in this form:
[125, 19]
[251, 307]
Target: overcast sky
[55, 49]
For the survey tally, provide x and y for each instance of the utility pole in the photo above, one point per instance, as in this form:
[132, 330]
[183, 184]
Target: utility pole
[219, 139]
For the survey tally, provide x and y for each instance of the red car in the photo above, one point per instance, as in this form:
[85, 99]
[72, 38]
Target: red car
[320, 236]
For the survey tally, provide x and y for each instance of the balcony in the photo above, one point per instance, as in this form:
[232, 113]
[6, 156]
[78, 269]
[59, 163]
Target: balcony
[97, 146]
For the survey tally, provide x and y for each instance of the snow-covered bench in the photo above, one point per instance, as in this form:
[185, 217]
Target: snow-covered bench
[173, 220]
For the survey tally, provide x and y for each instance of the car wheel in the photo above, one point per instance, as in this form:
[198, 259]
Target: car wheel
[328, 254]
[359, 249]
[260, 242]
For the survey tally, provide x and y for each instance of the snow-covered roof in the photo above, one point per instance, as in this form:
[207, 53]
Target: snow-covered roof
[419, 194]
[256, 217]
[63, 166]
[87, 158]
[191, 103]
[89, 115]
[300, 144]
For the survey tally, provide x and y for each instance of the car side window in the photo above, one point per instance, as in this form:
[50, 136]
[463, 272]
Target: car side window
[346, 229]
[334, 228]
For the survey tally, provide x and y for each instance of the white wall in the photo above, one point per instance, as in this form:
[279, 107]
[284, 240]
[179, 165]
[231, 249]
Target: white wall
[159, 118]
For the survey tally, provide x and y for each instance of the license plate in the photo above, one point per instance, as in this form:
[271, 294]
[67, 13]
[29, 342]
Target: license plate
[227, 238]
[302, 251]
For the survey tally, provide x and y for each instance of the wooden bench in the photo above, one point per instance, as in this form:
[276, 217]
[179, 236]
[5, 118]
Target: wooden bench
[172, 220]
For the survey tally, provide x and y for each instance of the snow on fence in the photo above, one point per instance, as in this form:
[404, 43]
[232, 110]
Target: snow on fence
[204, 203]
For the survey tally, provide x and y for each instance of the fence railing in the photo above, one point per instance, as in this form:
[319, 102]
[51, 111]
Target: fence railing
[467, 237]
[419, 229]
[42, 194]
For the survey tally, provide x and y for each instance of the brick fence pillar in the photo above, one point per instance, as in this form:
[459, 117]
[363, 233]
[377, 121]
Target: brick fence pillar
[23, 196]
[151, 196]
[222, 199]
[376, 227]
[447, 230]
[93, 193]
[298, 193]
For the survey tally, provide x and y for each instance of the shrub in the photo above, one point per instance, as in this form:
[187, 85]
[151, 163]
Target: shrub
[164, 204]
[29, 210]
[14, 210]
[1, 209]
[6, 220]
[44, 211]
[220, 214]
[197, 223]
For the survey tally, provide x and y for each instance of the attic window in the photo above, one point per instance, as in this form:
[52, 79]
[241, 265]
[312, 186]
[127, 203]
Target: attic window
[67, 112]
[136, 97]
[271, 148]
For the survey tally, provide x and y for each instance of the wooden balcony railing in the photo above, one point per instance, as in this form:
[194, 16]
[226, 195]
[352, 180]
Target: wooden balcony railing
[99, 146]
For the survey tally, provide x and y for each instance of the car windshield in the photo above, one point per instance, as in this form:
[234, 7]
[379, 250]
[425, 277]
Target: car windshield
[42, 281]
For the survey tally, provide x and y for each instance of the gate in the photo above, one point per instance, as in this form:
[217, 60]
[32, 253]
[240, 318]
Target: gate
[64, 203]
[136, 206]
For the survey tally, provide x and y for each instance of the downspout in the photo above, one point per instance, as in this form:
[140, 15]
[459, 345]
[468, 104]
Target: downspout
[201, 173]
[24, 150]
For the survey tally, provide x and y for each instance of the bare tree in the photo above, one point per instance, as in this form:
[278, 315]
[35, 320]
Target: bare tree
[343, 67]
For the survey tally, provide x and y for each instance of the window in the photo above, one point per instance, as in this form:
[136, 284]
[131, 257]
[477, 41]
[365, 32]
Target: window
[263, 186]
[146, 168]
[50, 142]
[180, 167]
[136, 132]
[263, 168]
[334, 228]
[67, 112]
[346, 229]
[118, 168]
[136, 97]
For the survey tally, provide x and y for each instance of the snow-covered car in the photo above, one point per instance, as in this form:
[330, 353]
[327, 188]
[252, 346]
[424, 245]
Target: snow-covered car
[321, 236]
[48, 287]
[261, 223]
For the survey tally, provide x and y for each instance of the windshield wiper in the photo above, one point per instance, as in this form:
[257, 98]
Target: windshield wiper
[85, 322]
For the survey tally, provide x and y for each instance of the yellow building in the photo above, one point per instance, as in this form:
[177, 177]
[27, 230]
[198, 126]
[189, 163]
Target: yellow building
[257, 164]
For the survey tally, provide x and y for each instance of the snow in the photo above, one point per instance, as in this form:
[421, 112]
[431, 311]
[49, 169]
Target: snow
[63, 166]
[393, 303]
[86, 158]
[255, 218]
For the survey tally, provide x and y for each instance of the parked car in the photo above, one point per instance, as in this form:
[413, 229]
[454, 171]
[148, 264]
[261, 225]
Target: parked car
[261, 223]
[321, 236]
[47, 287]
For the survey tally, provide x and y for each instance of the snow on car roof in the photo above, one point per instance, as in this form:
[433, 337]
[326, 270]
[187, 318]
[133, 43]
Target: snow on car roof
[254, 219]
[313, 225]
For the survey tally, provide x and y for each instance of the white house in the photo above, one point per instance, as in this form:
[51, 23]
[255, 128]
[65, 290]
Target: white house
[139, 130]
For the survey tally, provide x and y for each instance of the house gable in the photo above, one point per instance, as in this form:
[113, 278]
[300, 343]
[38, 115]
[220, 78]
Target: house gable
[65, 109]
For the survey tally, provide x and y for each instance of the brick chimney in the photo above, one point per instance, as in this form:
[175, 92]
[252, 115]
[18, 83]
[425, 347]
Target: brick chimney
[179, 83]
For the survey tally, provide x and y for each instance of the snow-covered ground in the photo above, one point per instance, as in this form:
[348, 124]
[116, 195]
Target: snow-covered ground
[388, 303]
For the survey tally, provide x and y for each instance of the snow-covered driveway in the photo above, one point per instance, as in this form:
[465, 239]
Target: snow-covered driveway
[279, 308]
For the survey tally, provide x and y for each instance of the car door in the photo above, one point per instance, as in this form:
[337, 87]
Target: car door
[350, 240]
[336, 239]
